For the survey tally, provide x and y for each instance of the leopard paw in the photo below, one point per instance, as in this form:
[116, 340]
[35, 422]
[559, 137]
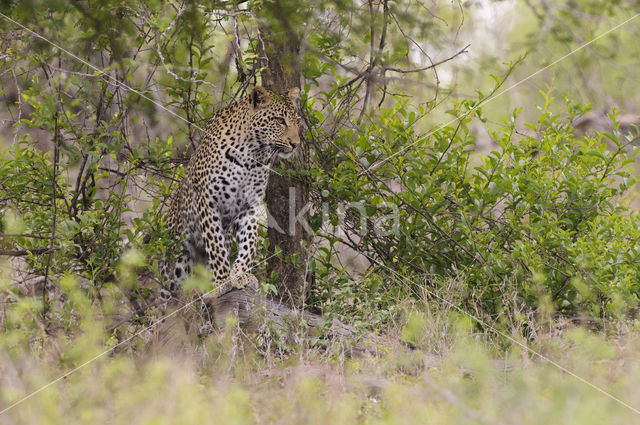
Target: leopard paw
[246, 280]
[240, 281]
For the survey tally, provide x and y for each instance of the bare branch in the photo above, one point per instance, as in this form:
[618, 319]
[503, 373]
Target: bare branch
[25, 252]
[433, 65]
[23, 235]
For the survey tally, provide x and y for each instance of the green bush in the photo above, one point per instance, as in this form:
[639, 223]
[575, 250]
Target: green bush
[542, 219]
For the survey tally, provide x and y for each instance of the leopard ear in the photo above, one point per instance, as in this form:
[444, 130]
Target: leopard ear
[260, 97]
[294, 95]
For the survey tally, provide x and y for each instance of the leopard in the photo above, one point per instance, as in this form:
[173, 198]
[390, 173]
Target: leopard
[223, 188]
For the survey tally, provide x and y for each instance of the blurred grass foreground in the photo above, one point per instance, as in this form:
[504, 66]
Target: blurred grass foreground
[435, 369]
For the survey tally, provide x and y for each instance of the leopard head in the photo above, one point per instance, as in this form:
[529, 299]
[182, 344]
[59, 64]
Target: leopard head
[275, 119]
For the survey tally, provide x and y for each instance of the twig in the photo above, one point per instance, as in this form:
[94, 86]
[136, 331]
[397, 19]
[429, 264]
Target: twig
[433, 65]
[22, 235]
[25, 252]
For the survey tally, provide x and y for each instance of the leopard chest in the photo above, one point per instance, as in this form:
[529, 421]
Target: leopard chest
[234, 188]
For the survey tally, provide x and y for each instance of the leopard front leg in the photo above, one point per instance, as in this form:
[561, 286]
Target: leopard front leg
[175, 272]
[246, 227]
[216, 248]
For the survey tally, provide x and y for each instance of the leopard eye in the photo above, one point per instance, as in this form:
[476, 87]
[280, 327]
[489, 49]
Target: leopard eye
[281, 120]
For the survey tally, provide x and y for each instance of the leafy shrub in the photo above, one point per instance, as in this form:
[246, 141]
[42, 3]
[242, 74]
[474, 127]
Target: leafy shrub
[542, 218]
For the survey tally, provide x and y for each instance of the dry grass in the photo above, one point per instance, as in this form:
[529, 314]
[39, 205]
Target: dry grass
[450, 375]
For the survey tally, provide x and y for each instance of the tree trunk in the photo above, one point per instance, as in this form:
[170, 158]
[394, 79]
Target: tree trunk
[287, 195]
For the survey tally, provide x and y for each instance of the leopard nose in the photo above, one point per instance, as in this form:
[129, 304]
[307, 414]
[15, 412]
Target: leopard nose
[294, 143]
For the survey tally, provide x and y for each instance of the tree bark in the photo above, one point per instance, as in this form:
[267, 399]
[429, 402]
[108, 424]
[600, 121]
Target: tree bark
[287, 195]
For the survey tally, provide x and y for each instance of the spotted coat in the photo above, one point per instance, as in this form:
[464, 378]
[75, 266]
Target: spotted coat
[225, 183]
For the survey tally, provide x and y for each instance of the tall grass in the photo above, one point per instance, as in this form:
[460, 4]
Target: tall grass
[455, 376]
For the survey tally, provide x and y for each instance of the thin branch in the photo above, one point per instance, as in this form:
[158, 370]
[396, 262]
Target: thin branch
[383, 39]
[25, 252]
[23, 235]
[372, 60]
[406, 71]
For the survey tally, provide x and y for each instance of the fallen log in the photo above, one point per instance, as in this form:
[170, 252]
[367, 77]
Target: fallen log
[252, 309]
